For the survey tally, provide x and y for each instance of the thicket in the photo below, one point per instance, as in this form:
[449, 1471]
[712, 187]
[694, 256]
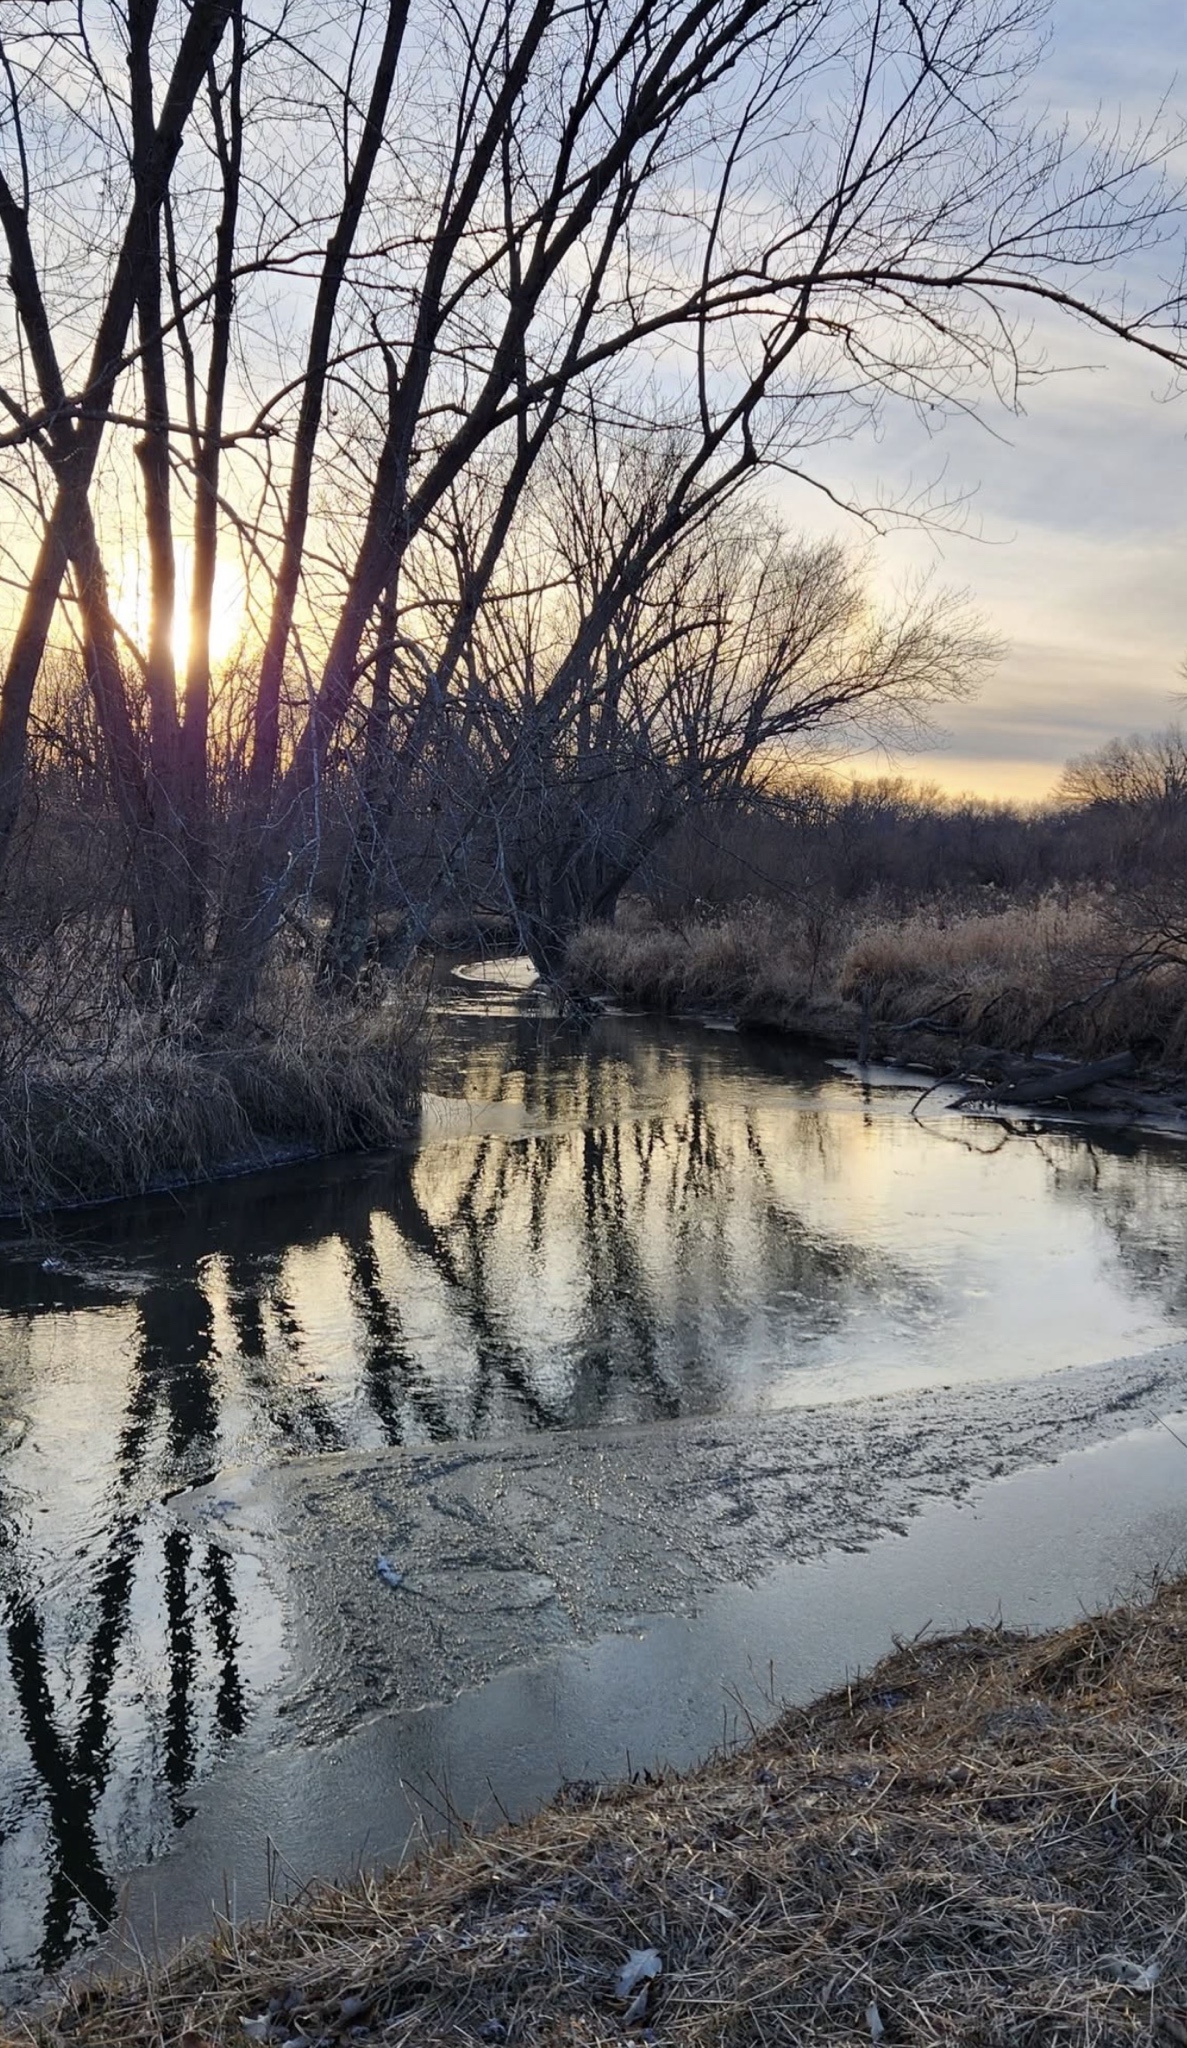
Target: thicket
[111, 1081]
[839, 907]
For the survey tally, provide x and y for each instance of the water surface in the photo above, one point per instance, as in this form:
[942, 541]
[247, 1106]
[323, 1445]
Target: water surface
[620, 1225]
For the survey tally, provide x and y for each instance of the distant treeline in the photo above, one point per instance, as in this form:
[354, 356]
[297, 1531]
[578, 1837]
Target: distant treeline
[1116, 820]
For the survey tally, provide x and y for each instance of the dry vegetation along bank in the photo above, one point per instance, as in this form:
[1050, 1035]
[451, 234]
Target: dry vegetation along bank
[967, 936]
[985, 991]
[983, 1842]
[123, 1100]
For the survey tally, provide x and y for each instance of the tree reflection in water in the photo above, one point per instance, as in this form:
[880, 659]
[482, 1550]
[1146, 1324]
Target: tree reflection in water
[644, 1224]
[168, 1432]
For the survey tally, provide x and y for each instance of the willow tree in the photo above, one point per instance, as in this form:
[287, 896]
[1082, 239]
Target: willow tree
[282, 284]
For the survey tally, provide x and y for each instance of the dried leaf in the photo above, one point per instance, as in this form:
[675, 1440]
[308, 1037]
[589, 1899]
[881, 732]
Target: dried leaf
[640, 1967]
[1141, 1977]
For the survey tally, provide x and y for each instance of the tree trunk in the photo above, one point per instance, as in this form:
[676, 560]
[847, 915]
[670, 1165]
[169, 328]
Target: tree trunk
[350, 925]
[195, 732]
[199, 42]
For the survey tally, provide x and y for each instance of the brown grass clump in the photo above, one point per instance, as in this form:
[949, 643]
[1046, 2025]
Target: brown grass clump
[1048, 934]
[148, 1103]
[756, 962]
[999, 977]
[984, 1842]
[1062, 973]
[336, 1075]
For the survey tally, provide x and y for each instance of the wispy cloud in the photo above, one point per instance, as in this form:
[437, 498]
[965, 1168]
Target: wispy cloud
[1075, 540]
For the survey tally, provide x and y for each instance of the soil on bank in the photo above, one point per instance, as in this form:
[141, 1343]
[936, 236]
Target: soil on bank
[982, 1842]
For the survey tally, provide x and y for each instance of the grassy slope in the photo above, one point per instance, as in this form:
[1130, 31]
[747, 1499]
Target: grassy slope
[984, 1842]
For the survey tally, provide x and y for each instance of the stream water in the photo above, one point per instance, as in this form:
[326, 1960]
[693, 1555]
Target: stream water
[711, 1305]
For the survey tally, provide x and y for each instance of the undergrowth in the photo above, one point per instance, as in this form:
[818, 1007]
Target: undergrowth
[1079, 974]
[141, 1099]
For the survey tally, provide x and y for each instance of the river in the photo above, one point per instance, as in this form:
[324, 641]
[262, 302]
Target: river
[669, 1371]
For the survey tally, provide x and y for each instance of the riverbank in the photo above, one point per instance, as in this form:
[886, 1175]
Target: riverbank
[1014, 1001]
[155, 1106]
[982, 1841]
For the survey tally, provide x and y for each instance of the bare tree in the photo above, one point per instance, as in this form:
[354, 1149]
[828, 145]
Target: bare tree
[68, 430]
[323, 274]
[1146, 772]
[643, 653]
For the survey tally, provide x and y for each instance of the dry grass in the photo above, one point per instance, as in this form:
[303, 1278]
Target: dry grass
[150, 1104]
[758, 963]
[1035, 975]
[985, 1842]
[334, 1074]
[1048, 934]
[1038, 974]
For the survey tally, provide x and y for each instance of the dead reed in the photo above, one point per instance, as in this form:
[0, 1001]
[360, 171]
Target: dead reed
[1051, 972]
[1058, 973]
[146, 1101]
[983, 1842]
[762, 964]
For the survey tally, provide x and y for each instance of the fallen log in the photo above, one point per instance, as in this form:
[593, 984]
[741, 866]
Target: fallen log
[1052, 1086]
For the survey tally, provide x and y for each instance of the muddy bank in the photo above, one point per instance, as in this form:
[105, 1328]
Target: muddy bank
[497, 1554]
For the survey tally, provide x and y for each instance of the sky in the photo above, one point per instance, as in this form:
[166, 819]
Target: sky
[1074, 548]
[1076, 545]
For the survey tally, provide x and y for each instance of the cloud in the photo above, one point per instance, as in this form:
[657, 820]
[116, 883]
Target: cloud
[1074, 551]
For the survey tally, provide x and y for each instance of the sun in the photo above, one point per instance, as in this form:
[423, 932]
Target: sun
[130, 604]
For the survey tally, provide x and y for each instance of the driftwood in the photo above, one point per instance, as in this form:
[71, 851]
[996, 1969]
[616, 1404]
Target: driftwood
[1057, 1083]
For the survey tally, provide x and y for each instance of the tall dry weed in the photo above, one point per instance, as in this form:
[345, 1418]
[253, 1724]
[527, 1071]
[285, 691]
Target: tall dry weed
[1061, 974]
[757, 962]
[105, 1098]
[1067, 973]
